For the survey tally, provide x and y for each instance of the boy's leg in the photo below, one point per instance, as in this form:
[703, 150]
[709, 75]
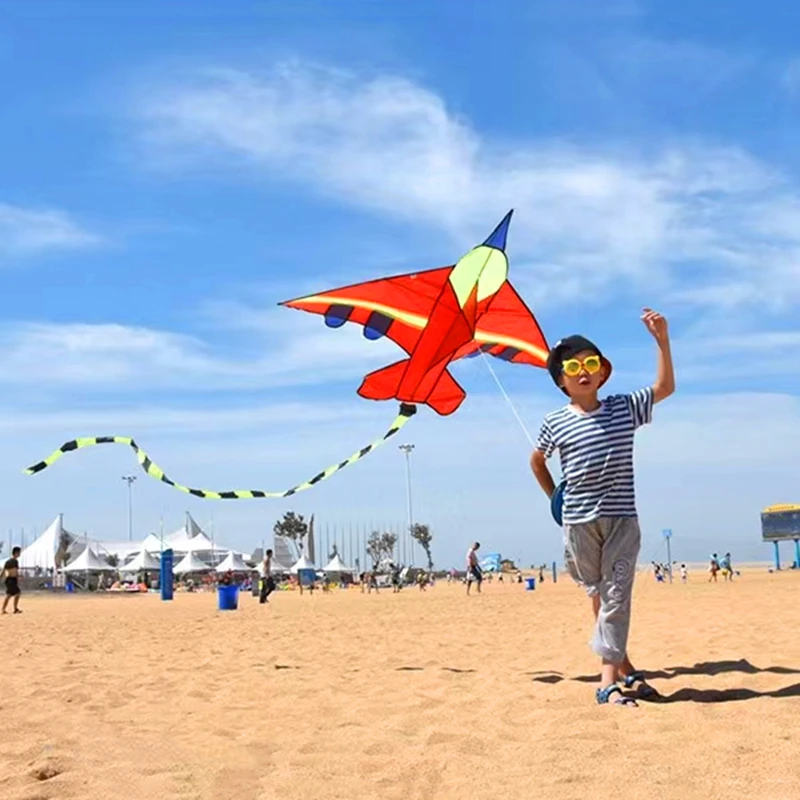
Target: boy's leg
[583, 545]
[622, 540]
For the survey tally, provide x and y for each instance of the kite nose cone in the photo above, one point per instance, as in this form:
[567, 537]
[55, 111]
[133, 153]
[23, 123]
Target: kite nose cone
[497, 238]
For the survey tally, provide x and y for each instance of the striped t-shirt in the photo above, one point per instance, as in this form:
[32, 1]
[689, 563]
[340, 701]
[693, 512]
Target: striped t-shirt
[596, 452]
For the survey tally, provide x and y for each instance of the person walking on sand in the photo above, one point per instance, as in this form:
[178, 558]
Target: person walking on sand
[602, 537]
[267, 581]
[474, 572]
[11, 574]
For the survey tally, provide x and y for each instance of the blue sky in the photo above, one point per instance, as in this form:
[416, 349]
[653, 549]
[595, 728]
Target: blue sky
[170, 171]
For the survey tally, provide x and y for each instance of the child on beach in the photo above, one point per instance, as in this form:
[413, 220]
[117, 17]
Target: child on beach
[601, 530]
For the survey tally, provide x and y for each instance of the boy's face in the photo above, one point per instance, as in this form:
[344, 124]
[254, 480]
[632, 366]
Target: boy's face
[584, 379]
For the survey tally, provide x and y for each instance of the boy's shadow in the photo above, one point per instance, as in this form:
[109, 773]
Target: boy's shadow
[709, 668]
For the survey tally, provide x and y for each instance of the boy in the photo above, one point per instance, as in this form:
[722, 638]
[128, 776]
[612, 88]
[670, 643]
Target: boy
[11, 574]
[601, 529]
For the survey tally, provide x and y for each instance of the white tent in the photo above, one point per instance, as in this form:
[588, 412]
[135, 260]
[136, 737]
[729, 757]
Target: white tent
[42, 552]
[301, 563]
[234, 562]
[188, 537]
[89, 561]
[282, 552]
[152, 543]
[337, 565]
[190, 563]
[143, 561]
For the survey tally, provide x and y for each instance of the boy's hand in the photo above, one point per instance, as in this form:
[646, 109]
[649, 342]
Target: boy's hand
[656, 324]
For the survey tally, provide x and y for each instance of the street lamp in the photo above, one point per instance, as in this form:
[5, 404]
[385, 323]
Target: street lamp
[408, 449]
[129, 479]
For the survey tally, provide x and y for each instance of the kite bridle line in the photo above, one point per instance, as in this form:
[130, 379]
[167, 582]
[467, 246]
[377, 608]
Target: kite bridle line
[407, 410]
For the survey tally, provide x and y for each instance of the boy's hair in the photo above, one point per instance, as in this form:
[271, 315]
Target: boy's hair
[15, 551]
[269, 552]
[567, 348]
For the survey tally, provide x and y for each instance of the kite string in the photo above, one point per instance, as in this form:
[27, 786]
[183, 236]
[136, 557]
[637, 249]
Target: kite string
[508, 399]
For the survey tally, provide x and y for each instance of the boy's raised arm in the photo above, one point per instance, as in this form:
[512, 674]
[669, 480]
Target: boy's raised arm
[664, 384]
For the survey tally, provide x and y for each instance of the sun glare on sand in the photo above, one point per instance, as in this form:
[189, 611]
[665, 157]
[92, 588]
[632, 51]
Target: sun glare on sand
[416, 695]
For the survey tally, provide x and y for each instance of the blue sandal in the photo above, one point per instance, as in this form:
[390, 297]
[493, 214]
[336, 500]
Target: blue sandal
[644, 691]
[603, 696]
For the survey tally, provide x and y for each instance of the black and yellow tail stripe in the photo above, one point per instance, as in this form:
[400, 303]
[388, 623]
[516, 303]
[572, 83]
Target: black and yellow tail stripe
[154, 471]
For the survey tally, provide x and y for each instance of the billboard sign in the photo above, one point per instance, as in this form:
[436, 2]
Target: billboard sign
[780, 523]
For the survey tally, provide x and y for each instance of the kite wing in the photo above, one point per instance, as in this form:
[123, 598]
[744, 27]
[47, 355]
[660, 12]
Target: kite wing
[509, 331]
[398, 307]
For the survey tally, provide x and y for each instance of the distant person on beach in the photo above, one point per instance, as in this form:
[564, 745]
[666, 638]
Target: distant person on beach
[684, 573]
[11, 574]
[474, 572]
[267, 581]
[601, 528]
[713, 568]
[725, 566]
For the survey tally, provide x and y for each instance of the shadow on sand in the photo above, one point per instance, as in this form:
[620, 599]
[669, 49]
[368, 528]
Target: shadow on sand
[688, 695]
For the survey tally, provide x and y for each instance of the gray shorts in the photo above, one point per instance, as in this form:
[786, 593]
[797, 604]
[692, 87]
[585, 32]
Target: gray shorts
[601, 556]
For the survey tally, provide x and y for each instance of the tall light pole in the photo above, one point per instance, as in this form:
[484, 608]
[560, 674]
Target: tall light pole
[408, 449]
[129, 479]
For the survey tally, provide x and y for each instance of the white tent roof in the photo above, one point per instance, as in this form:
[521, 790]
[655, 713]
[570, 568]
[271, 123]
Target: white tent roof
[190, 563]
[88, 561]
[301, 563]
[233, 561]
[152, 543]
[42, 552]
[337, 565]
[281, 550]
[143, 561]
[181, 542]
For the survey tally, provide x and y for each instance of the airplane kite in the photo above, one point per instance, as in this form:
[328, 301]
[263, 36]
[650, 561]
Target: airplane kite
[437, 317]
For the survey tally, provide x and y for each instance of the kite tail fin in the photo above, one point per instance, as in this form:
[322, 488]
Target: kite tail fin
[447, 395]
[444, 397]
[383, 383]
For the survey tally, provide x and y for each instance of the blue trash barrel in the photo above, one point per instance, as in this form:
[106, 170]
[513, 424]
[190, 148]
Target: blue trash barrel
[227, 598]
[530, 584]
[70, 587]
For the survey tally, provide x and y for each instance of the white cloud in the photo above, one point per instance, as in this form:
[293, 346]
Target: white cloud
[276, 350]
[709, 222]
[25, 231]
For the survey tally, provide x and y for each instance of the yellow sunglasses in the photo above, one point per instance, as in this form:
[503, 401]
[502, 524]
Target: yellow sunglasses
[573, 366]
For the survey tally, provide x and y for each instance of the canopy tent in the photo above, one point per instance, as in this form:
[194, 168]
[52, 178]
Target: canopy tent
[143, 561]
[282, 551]
[190, 563]
[153, 544]
[189, 536]
[277, 566]
[233, 562]
[301, 563]
[337, 565]
[48, 550]
[89, 561]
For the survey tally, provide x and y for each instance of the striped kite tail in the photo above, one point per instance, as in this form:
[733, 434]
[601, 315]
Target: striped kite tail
[154, 471]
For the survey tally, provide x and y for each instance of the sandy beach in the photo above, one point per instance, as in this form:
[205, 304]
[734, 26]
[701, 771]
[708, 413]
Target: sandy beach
[416, 695]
